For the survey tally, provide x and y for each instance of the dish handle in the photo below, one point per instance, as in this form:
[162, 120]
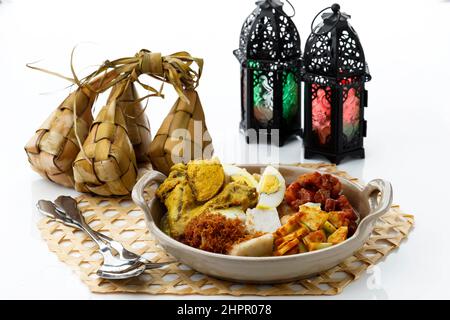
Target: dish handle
[148, 179]
[379, 194]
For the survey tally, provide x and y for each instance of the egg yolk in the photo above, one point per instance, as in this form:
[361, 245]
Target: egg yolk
[270, 184]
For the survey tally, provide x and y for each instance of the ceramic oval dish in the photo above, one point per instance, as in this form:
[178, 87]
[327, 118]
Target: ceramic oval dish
[369, 202]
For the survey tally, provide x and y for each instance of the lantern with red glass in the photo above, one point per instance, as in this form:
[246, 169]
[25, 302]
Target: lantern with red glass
[335, 97]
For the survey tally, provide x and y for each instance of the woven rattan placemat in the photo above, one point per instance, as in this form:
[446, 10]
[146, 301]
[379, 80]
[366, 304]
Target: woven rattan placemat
[121, 219]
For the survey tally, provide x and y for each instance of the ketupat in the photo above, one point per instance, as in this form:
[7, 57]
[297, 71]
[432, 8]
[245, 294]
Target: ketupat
[106, 165]
[172, 145]
[53, 148]
[138, 126]
[55, 145]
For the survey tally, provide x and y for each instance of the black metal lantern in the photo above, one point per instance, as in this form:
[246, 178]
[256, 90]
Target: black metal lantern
[270, 57]
[335, 97]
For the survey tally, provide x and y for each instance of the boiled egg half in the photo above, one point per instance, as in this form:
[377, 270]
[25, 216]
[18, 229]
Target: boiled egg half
[271, 188]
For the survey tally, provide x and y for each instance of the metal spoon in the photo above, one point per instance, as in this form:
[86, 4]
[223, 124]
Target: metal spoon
[111, 263]
[68, 206]
[113, 267]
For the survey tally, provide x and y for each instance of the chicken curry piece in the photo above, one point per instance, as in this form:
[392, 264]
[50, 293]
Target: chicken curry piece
[197, 188]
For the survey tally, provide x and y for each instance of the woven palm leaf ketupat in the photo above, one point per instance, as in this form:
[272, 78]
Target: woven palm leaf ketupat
[172, 145]
[54, 151]
[53, 148]
[55, 145]
[137, 124]
[106, 165]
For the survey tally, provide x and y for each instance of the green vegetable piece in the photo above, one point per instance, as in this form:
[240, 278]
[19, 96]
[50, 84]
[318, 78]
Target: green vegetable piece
[328, 227]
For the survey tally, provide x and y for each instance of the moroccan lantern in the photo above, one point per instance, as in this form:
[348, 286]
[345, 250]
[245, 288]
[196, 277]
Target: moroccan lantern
[270, 57]
[335, 71]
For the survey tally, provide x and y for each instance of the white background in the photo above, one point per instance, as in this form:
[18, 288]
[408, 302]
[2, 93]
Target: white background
[407, 45]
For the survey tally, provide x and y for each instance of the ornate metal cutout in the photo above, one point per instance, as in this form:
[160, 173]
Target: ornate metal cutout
[270, 57]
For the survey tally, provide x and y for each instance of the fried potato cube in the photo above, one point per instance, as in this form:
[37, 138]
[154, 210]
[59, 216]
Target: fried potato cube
[313, 246]
[312, 216]
[290, 226]
[286, 247]
[339, 235]
[338, 218]
[294, 250]
[299, 233]
[205, 177]
[284, 219]
[328, 227]
[316, 236]
[279, 242]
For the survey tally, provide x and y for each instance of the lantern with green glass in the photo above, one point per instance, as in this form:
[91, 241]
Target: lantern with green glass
[270, 58]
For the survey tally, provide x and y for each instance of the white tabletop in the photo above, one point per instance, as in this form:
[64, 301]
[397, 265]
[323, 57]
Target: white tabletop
[407, 45]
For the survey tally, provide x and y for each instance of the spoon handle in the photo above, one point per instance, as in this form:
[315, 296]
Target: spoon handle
[70, 206]
[49, 209]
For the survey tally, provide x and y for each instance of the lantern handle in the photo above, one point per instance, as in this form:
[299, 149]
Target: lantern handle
[276, 4]
[336, 9]
[293, 9]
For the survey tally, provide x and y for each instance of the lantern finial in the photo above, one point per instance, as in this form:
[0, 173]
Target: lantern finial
[335, 8]
[269, 3]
